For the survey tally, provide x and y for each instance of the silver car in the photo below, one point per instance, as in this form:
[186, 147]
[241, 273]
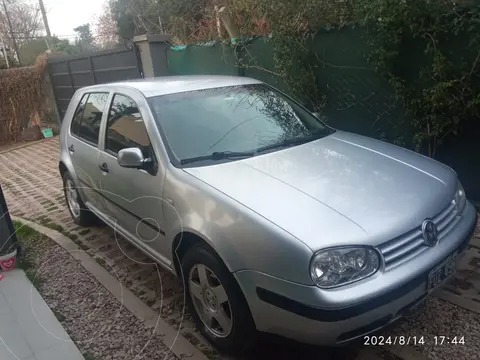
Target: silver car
[275, 221]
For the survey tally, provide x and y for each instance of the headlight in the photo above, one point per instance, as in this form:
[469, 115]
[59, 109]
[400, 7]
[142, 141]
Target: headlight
[343, 265]
[460, 199]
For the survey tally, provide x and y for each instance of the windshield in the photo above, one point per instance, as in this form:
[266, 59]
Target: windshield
[243, 118]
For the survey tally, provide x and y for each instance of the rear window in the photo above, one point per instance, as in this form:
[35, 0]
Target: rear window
[89, 128]
[77, 117]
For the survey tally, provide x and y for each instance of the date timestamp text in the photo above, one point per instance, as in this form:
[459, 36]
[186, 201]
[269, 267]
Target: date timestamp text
[413, 340]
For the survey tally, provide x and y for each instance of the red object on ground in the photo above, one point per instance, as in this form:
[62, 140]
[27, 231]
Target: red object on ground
[1, 277]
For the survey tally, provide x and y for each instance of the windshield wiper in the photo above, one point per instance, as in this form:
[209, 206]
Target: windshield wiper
[218, 156]
[294, 141]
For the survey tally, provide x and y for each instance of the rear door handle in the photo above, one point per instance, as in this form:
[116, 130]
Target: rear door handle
[71, 148]
[104, 167]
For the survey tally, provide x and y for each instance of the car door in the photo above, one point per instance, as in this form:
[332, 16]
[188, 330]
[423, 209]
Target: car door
[134, 196]
[83, 145]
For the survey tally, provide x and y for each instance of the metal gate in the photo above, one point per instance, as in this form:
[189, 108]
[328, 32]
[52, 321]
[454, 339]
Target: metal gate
[70, 73]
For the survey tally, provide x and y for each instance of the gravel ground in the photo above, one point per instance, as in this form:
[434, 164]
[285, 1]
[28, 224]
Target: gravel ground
[440, 318]
[93, 318]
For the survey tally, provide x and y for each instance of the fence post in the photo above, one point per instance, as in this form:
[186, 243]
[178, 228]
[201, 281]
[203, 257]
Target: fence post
[153, 53]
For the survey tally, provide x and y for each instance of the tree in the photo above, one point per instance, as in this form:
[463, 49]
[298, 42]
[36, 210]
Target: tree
[25, 19]
[11, 62]
[30, 49]
[182, 18]
[84, 40]
[123, 18]
[65, 47]
[106, 29]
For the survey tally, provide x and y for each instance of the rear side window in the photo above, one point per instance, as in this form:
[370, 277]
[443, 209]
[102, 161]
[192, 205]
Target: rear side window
[77, 116]
[92, 117]
[125, 127]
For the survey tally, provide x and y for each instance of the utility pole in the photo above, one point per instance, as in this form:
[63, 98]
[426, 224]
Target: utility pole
[45, 23]
[11, 32]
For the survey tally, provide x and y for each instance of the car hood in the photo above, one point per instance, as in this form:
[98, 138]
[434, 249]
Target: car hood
[341, 189]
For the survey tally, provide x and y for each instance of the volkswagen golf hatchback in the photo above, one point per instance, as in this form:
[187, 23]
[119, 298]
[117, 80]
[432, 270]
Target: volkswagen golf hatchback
[275, 221]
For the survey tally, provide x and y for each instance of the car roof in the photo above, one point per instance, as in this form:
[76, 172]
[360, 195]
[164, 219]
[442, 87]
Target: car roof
[177, 84]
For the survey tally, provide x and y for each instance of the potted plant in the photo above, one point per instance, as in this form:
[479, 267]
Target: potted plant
[8, 257]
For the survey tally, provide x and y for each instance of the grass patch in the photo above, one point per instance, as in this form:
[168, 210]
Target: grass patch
[82, 246]
[87, 356]
[55, 227]
[60, 317]
[100, 261]
[27, 237]
[44, 221]
[47, 222]
[23, 230]
[72, 237]
[84, 232]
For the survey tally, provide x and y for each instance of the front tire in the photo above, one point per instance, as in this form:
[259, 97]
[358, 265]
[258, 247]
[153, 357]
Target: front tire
[216, 301]
[77, 209]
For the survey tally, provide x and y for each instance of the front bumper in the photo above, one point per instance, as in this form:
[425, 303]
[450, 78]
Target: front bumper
[312, 315]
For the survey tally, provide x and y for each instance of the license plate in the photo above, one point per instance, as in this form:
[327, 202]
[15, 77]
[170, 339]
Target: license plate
[441, 271]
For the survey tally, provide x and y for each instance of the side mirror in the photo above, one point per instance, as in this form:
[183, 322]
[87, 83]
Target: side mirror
[131, 158]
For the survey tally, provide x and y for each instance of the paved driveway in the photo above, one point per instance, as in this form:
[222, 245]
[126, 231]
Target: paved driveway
[33, 190]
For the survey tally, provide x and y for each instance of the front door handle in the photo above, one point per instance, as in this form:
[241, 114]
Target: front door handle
[71, 148]
[104, 167]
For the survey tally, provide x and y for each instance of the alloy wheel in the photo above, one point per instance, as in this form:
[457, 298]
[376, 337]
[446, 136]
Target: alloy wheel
[72, 198]
[210, 300]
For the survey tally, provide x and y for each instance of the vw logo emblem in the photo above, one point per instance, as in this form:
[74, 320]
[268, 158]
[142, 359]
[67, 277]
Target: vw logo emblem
[430, 233]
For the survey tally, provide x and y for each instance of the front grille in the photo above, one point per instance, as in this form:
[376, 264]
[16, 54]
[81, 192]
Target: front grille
[407, 246]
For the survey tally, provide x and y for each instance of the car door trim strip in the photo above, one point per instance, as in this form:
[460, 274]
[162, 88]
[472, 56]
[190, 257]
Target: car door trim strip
[149, 224]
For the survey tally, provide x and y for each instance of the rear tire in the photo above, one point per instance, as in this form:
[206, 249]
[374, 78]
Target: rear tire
[77, 209]
[221, 297]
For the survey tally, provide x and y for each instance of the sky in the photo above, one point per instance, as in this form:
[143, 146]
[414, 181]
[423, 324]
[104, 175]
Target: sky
[64, 15]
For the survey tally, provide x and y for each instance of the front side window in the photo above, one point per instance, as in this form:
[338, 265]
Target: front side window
[77, 116]
[92, 117]
[125, 127]
[233, 119]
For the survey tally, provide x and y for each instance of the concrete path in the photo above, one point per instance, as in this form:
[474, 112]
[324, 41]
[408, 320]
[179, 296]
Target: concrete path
[28, 328]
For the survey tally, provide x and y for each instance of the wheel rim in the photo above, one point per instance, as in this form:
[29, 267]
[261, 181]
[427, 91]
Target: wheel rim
[210, 301]
[72, 198]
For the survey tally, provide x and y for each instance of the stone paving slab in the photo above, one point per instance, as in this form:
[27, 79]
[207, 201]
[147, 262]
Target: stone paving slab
[33, 190]
[28, 328]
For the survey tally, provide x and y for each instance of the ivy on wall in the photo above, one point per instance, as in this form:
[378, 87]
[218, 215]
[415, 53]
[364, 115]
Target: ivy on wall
[428, 50]
[430, 53]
